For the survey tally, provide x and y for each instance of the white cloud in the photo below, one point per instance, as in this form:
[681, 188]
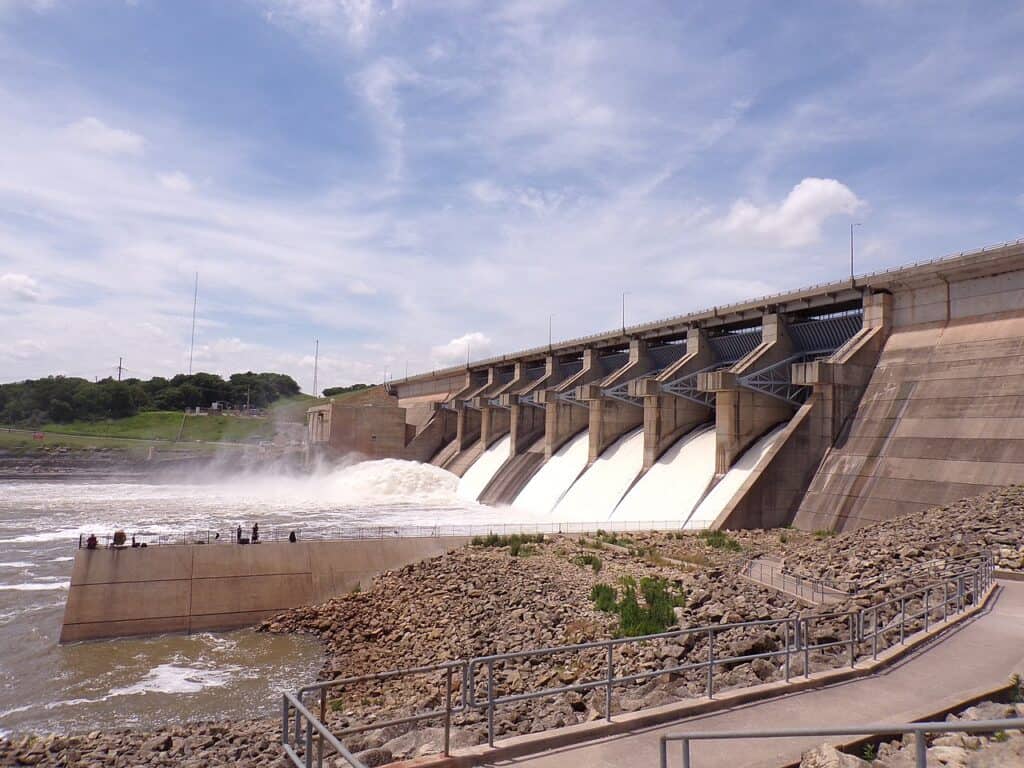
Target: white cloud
[20, 287]
[797, 220]
[487, 192]
[93, 134]
[475, 343]
[176, 181]
[361, 288]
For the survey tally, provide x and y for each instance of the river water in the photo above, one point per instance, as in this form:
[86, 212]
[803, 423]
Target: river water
[48, 687]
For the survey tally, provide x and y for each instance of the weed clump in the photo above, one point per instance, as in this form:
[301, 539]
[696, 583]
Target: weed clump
[515, 542]
[590, 559]
[655, 614]
[720, 540]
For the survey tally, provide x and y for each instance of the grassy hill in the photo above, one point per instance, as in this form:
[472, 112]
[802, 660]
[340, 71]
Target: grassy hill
[165, 425]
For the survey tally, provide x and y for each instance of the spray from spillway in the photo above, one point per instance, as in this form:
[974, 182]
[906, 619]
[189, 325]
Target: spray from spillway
[675, 484]
[593, 497]
[730, 484]
[483, 470]
[554, 477]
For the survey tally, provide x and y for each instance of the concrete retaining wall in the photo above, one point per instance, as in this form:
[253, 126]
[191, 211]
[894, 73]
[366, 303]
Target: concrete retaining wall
[202, 587]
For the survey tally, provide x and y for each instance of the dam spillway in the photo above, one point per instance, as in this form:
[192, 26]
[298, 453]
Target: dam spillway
[597, 491]
[672, 488]
[892, 387]
[553, 479]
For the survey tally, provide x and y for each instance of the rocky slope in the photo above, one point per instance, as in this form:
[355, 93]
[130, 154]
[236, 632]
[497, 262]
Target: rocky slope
[954, 750]
[483, 600]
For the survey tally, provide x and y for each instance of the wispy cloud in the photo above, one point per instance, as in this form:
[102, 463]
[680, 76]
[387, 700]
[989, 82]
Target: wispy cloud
[385, 175]
[93, 134]
[20, 287]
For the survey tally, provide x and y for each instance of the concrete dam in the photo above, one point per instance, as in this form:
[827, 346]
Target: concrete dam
[827, 407]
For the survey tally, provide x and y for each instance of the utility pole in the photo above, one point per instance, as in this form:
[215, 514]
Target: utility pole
[406, 370]
[192, 344]
[550, 318]
[316, 365]
[120, 367]
[857, 224]
[624, 295]
[248, 388]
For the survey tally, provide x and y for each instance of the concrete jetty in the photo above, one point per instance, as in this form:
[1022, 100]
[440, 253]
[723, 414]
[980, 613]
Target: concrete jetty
[116, 592]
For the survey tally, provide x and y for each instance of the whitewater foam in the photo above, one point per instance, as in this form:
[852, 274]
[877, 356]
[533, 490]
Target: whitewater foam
[34, 586]
[176, 678]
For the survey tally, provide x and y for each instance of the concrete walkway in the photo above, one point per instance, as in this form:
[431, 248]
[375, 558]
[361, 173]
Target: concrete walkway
[979, 654]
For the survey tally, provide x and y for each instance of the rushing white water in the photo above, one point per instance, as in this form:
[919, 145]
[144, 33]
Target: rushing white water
[85, 686]
[554, 477]
[673, 486]
[594, 495]
[727, 487]
[483, 469]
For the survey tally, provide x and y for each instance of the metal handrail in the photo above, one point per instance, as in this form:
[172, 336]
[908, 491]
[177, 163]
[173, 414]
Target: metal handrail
[863, 626]
[918, 729]
[390, 532]
[312, 724]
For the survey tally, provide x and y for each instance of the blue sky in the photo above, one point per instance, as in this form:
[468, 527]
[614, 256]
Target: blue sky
[400, 179]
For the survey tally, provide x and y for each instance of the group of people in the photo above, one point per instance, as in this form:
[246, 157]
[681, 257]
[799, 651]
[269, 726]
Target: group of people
[255, 537]
[119, 539]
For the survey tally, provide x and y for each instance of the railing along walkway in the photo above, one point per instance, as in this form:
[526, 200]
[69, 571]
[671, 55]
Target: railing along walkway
[770, 573]
[482, 685]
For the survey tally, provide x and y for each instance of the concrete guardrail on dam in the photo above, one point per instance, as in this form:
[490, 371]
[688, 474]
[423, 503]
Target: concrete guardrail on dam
[117, 592]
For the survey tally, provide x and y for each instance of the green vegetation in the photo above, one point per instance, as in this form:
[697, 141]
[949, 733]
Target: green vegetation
[332, 391]
[720, 540]
[588, 559]
[604, 597]
[870, 752]
[517, 543]
[1000, 736]
[65, 400]
[612, 538]
[1017, 692]
[22, 442]
[824, 534]
[164, 425]
[655, 614]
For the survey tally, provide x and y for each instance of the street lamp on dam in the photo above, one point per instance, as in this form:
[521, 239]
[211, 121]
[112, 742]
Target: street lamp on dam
[856, 224]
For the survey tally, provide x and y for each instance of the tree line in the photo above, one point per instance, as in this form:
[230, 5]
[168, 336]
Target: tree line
[64, 399]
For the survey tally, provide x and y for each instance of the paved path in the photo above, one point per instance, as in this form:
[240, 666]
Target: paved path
[981, 652]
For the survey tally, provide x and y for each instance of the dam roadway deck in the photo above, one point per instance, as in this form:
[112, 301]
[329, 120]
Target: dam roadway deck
[974, 657]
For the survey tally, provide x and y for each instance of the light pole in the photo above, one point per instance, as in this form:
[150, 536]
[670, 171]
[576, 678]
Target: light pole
[624, 295]
[550, 318]
[857, 224]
